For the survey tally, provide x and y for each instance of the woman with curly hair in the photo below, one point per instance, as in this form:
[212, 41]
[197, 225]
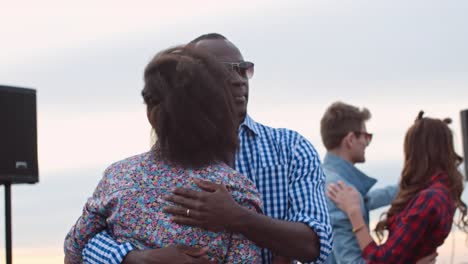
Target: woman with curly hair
[191, 109]
[421, 216]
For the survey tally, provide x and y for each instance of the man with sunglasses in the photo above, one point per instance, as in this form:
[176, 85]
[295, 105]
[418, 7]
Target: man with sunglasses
[284, 167]
[344, 134]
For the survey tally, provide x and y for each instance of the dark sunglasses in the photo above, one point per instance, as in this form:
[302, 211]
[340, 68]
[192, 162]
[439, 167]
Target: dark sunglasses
[367, 135]
[243, 68]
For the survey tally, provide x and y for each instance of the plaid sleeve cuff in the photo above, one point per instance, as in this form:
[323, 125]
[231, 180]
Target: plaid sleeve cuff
[103, 249]
[325, 235]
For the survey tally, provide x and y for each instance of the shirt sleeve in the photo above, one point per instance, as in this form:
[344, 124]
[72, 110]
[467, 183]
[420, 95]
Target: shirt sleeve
[380, 197]
[307, 195]
[91, 222]
[103, 249]
[404, 237]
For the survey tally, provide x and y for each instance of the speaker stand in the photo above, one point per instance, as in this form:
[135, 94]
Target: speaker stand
[8, 221]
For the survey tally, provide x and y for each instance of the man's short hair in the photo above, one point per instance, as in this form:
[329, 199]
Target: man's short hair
[340, 119]
[207, 36]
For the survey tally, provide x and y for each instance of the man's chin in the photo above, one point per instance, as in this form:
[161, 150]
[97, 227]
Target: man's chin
[361, 160]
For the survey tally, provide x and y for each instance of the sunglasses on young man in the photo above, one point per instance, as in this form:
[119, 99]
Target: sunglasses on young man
[368, 136]
[243, 68]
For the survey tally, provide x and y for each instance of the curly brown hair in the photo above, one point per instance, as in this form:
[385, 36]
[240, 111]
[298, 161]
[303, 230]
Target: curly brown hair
[190, 107]
[428, 149]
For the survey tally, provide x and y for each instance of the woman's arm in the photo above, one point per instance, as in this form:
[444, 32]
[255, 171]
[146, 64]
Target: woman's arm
[348, 200]
[360, 229]
[90, 223]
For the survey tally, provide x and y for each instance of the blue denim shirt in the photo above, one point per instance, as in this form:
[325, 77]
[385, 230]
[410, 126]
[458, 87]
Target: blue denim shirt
[346, 248]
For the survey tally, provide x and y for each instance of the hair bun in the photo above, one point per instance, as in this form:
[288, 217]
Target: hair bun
[447, 121]
[420, 115]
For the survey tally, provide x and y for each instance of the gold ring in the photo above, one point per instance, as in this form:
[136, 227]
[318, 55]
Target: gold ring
[188, 213]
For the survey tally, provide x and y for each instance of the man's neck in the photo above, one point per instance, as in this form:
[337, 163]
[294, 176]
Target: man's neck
[241, 120]
[342, 154]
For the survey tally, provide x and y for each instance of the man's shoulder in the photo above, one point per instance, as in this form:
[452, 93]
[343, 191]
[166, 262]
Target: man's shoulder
[287, 144]
[278, 130]
[332, 175]
[281, 135]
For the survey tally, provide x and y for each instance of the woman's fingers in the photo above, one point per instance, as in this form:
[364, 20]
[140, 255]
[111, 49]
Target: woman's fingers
[332, 187]
[339, 190]
[331, 195]
[341, 185]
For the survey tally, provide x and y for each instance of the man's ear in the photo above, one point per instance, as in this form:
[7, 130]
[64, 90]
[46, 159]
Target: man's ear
[348, 140]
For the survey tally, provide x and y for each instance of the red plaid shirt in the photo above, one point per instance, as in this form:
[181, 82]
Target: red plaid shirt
[419, 229]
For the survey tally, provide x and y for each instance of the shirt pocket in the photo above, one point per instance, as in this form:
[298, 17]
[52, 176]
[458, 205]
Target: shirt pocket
[270, 170]
[273, 157]
[273, 184]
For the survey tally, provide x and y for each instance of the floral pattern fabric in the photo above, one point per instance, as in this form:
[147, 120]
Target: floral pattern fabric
[129, 202]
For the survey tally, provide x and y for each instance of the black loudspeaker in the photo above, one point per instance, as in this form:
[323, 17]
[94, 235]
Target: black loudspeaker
[18, 135]
[464, 120]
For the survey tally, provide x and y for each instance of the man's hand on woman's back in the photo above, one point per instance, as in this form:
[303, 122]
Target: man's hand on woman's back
[213, 208]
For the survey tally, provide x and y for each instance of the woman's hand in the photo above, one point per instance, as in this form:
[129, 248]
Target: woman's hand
[345, 197]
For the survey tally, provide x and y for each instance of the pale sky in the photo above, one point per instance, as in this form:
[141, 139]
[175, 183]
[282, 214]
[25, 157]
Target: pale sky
[86, 59]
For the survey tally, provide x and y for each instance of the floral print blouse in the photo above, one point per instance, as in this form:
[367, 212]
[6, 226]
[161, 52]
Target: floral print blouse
[128, 202]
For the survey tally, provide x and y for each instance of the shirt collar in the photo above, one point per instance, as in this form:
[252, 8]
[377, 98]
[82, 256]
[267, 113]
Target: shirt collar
[349, 172]
[250, 124]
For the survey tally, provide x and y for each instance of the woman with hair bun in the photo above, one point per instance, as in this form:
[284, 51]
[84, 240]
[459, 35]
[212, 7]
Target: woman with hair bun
[421, 216]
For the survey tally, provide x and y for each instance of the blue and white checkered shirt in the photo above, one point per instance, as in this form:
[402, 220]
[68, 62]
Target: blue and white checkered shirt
[286, 169]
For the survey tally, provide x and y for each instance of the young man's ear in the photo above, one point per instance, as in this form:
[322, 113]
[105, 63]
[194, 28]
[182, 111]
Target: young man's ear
[349, 139]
